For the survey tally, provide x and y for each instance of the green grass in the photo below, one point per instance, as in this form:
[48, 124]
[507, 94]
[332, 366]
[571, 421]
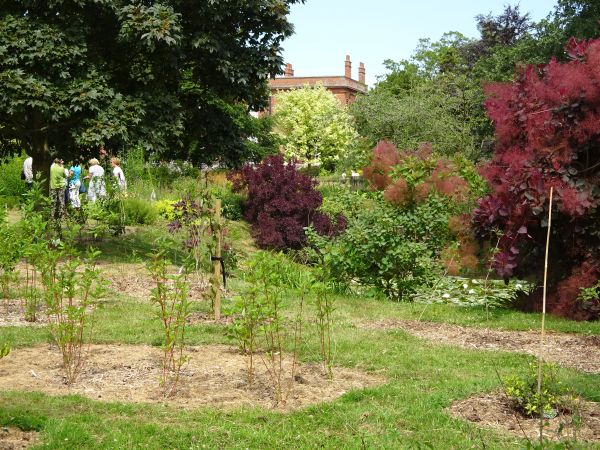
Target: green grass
[408, 411]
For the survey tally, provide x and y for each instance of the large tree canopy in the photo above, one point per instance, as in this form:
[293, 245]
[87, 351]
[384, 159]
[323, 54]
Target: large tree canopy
[169, 75]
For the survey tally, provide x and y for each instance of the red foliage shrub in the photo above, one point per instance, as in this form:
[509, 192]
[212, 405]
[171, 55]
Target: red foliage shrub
[568, 289]
[547, 126]
[385, 156]
[435, 174]
[397, 193]
[281, 203]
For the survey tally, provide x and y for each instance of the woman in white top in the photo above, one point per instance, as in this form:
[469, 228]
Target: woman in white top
[118, 173]
[97, 188]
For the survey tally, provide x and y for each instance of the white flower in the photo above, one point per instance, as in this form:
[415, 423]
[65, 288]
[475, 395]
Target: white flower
[471, 291]
[465, 286]
[446, 296]
[474, 281]
[519, 286]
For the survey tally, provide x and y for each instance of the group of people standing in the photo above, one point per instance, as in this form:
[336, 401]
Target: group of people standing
[67, 184]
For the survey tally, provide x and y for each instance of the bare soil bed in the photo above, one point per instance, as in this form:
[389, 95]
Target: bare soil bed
[495, 411]
[15, 439]
[569, 350]
[12, 314]
[135, 281]
[214, 376]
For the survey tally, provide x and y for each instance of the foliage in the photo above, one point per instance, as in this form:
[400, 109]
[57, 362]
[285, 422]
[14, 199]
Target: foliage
[385, 248]
[313, 126]
[166, 209]
[260, 322]
[522, 389]
[445, 111]
[588, 301]
[4, 350]
[412, 177]
[139, 212]
[69, 294]
[11, 254]
[231, 202]
[170, 295]
[11, 184]
[281, 203]
[77, 75]
[546, 128]
[473, 292]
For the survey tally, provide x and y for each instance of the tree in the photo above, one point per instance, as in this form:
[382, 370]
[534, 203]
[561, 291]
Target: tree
[81, 74]
[313, 126]
[547, 127]
[445, 111]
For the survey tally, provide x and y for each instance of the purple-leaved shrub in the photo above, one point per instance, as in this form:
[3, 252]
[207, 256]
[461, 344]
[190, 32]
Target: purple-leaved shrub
[281, 202]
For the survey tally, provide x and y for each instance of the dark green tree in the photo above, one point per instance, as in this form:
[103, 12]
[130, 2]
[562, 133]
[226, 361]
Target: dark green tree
[79, 74]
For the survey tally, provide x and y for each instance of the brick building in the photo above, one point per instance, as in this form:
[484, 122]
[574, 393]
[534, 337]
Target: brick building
[345, 88]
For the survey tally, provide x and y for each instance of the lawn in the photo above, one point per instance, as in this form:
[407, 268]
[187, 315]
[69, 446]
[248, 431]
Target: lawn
[409, 410]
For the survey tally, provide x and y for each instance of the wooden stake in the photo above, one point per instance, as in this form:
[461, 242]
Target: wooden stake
[217, 263]
[541, 354]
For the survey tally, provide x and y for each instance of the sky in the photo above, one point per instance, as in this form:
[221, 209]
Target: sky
[372, 31]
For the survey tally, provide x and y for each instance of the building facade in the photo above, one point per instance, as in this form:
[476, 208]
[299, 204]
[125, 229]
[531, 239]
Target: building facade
[345, 88]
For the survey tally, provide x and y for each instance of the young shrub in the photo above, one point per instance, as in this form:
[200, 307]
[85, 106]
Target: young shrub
[387, 249]
[10, 254]
[324, 308]
[281, 203]
[547, 127]
[139, 212]
[70, 294]
[522, 390]
[170, 295]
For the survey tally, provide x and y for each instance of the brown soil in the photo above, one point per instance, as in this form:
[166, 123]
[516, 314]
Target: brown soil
[202, 318]
[570, 350]
[15, 439]
[215, 375]
[135, 281]
[12, 314]
[495, 411]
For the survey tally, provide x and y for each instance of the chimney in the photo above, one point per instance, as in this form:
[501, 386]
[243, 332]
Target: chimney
[361, 73]
[289, 72]
[348, 72]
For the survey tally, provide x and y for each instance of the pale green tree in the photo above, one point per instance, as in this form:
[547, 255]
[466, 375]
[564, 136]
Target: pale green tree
[313, 126]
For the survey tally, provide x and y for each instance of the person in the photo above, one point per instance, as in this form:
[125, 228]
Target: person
[67, 177]
[96, 188]
[57, 189]
[118, 173]
[28, 172]
[75, 185]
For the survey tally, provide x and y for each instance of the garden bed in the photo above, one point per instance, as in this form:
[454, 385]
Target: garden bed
[12, 314]
[134, 280]
[214, 376]
[15, 439]
[569, 350]
[495, 411]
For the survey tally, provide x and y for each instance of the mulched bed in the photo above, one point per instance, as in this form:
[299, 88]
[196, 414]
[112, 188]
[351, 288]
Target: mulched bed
[570, 350]
[215, 375]
[495, 411]
[14, 439]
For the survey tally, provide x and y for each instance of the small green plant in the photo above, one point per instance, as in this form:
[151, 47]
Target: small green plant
[139, 212]
[4, 350]
[522, 390]
[170, 295]
[260, 326]
[473, 292]
[70, 294]
[10, 254]
[324, 308]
